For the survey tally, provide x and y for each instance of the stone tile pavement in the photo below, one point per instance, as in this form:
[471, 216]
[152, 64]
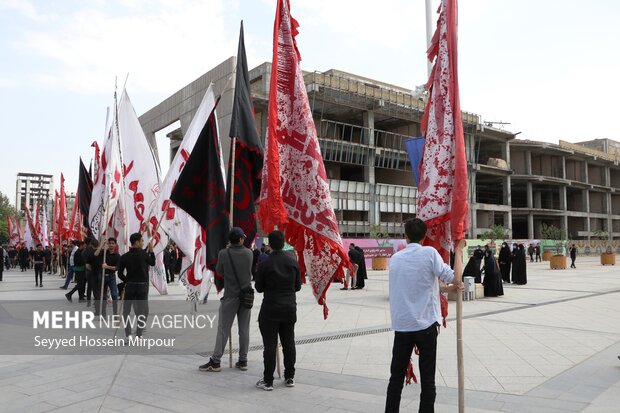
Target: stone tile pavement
[548, 346]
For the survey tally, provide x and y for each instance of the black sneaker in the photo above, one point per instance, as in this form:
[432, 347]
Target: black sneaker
[41, 285]
[262, 384]
[242, 365]
[290, 383]
[210, 366]
[68, 297]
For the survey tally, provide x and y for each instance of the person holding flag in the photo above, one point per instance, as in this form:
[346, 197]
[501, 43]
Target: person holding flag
[416, 311]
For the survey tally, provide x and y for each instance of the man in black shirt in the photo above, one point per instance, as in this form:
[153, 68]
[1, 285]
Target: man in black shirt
[279, 278]
[93, 270]
[38, 258]
[136, 263]
[109, 283]
[78, 271]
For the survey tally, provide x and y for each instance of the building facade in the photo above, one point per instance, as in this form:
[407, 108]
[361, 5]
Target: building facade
[362, 125]
[31, 187]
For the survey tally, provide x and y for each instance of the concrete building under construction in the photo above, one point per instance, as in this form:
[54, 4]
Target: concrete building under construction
[362, 125]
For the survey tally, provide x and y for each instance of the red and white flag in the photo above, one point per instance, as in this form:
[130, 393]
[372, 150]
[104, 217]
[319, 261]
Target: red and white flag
[180, 226]
[140, 190]
[30, 237]
[75, 227]
[44, 234]
[14, 234]
[443, 186]
[63, 218]
[107, 183]
[55, 229]
[295, 192]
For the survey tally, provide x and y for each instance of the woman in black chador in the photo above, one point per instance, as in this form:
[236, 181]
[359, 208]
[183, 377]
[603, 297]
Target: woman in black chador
[519, 272]
[505, 259]
[472, 269]
[492, 281]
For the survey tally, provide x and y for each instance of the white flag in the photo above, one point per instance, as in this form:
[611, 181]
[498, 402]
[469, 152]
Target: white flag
[107, 183]
[141, 186]
[45, 235]
[178, 224]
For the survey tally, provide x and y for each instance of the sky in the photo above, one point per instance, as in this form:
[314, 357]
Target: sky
[549, 68]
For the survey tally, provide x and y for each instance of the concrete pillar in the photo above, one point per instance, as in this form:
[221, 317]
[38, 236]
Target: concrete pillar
[586, 197]
[528, 162]
[530, 226]
[507, 193]
[374, 214]
[563, 167]
[508, 223]
[563, 199]
[607, 173]
[585, 173]
[530, 196]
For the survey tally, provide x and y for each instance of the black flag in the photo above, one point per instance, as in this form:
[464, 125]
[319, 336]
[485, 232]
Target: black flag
[85, 191]
[200, 191]
[248, 151]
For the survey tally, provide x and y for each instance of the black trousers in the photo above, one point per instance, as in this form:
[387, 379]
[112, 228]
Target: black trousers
[572, 262]
[93, 286]
[80, 278]
[38, 272]
[136, 297]
[270, 330]
[426, 341]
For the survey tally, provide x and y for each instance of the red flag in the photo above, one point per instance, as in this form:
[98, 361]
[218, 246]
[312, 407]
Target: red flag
[295, 193]
[34, 236]
[443, 188]
[55, 229]
[75, 227]
[10, 230]
[63, 219]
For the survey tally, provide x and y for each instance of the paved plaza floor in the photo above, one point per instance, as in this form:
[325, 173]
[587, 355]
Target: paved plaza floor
[549, 346]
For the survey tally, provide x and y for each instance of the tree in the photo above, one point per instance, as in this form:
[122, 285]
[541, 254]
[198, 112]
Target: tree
[497, 232]
[378, 234]
[5, 209]
[551, 232]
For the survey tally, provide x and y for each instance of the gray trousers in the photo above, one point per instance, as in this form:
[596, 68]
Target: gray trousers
[229, 308]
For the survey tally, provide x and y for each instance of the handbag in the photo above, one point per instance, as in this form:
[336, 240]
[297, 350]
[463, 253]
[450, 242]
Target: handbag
[246, 295]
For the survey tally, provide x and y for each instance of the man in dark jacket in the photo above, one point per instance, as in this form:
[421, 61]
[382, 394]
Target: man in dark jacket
[234, 264]
[136, 263]
[79, 272]
[279, 278]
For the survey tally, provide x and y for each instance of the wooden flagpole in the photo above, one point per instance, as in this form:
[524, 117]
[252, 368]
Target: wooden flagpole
[105, 251]
[458, 272]
[230, 216]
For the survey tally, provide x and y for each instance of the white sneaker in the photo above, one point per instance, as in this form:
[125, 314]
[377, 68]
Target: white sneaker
[261, 384]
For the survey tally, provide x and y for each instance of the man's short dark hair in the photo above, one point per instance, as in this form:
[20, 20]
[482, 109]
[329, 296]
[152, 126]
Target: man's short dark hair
[135, 238]
[39, 245]
[276, 240]
[415, 229]
[112, 239]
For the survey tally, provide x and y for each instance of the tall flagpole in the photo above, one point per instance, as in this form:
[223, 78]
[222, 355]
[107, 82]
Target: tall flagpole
[230, 216]
[429, 32]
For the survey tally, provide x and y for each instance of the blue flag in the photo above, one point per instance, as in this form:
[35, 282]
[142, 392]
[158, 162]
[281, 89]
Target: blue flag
[415, 147]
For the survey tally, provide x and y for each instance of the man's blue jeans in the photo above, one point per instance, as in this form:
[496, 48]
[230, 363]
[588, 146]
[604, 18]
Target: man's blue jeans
[69, 278]
[110, 283]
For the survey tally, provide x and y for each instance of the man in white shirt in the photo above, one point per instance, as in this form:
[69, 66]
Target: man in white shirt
[414, 275]
[71, 265]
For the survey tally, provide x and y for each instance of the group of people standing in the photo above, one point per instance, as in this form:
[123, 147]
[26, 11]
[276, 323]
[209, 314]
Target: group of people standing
[278, 277]
[509, 267]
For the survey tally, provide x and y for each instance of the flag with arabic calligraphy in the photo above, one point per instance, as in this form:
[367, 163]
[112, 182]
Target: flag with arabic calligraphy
[248, 151]
[200, 192]
[141, 187]
[443, 187]
[295, 193]
[107, 182]
[180, 226]
[84, 193]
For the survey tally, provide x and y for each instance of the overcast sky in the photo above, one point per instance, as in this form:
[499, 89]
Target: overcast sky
[548, 67]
